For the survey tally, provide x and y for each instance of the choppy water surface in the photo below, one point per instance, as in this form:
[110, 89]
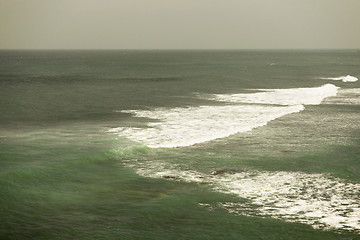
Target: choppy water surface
[179, 144]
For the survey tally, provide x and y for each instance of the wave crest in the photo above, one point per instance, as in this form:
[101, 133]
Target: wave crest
[187, 126]
[292, 96]
[347, 78]
[178, 127]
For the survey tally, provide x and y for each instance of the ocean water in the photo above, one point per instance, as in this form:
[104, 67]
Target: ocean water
[180, 144]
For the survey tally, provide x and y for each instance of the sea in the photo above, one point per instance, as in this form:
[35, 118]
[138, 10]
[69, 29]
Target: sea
[179, 144]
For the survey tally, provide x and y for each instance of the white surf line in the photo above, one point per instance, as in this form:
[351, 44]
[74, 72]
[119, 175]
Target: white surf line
[314, 199]
[185, 126]
[286, 97]
[180, 127]
[347, 78]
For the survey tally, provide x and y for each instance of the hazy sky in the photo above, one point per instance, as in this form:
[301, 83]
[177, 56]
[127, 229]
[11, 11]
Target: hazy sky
[179, 24]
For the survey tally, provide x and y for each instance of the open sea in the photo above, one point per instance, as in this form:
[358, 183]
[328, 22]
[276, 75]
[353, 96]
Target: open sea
[180, 145]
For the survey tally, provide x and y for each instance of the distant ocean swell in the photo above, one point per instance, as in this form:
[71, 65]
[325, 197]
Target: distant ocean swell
[239, 113]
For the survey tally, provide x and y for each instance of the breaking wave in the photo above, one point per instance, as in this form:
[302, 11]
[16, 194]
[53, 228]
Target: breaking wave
[186, 126]
[292, 96]
[347, 78]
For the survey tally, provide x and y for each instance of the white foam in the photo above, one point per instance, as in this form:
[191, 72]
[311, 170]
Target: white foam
[187, 126]
[308, 198]
[314, 199]
[292, 96]
[347, 78]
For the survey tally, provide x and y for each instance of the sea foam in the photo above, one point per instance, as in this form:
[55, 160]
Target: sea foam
[347, 78]
[187, 126]
[292, 96]
[315, 199]
[177, 127]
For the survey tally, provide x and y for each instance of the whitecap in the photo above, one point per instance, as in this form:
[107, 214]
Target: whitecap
[292, 96]
[347, 78]
[178, 127]
[187, 126]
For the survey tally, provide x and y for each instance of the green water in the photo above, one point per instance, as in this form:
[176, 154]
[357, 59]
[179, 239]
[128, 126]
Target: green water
[63, 176]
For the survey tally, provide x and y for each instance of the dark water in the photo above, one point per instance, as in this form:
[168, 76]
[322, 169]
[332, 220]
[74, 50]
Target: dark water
[261, 148]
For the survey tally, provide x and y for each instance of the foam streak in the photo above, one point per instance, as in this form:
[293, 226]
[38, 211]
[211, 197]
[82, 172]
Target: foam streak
[186, 126]
[314, 199]
[346, 78]
[292, 96]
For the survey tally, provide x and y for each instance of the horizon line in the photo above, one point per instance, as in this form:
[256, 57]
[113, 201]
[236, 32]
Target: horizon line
[171, 49]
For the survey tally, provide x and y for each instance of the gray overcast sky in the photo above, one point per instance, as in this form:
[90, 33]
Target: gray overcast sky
[179, 24]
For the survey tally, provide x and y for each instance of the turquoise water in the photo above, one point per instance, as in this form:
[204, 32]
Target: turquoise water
[179, 145]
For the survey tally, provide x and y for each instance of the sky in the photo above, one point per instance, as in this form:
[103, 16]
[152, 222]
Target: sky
[179, 24]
